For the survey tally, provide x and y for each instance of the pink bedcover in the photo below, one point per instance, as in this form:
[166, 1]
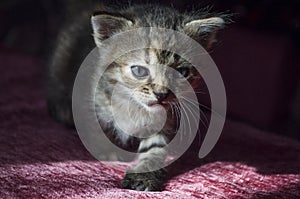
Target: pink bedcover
[42, 159]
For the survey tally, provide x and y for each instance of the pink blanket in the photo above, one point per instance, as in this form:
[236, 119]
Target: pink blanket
[42, 159]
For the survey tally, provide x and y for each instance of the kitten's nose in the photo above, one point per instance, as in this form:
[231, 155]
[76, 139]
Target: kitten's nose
[161, 96]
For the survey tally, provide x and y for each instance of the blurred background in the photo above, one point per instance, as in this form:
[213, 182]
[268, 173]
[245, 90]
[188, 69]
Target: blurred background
[257, 55]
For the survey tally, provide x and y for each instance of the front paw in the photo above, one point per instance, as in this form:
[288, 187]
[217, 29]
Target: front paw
[150, 181]
[61, 111]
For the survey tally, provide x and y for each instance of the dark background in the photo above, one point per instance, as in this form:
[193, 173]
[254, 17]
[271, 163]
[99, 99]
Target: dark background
[258, 55]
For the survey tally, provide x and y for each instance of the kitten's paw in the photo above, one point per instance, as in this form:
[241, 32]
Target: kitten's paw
[150, 181]
[61, 111]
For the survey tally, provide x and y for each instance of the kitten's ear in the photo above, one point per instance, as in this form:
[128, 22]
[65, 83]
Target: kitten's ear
[204, 30]
[106, 24]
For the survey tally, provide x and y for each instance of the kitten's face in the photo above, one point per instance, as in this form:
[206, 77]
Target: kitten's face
[151, 78]
[148, 75]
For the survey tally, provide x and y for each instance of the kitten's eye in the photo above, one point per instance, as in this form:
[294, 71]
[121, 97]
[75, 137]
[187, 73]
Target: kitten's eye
[139, 71]
[184, 72]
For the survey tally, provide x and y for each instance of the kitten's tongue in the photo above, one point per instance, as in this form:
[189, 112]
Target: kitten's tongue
[153, 104]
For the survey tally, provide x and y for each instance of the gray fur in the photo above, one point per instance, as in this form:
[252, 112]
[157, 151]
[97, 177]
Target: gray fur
[75, 41]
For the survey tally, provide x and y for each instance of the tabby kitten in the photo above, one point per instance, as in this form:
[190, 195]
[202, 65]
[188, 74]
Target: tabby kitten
[140, 73]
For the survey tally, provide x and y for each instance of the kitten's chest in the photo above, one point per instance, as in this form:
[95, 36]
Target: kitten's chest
[128, 119]
[136, 121]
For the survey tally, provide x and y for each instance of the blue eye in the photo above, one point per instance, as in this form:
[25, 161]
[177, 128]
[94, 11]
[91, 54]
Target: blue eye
[139, 71]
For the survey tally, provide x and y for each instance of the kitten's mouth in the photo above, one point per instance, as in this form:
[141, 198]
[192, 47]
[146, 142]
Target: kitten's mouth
[158, 103]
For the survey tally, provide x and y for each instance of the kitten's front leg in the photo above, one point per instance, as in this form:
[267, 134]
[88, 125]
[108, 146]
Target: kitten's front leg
[152, 156]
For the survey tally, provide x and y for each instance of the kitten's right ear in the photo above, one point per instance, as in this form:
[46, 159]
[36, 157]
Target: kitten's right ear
[106, 24]
[204, 30]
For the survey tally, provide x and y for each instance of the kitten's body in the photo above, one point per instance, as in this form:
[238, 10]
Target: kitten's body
[76, 41]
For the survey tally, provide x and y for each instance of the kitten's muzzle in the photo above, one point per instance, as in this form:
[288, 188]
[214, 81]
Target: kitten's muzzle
[161, 96]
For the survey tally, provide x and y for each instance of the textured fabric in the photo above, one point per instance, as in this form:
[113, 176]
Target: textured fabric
[260, 71]
[42, 159]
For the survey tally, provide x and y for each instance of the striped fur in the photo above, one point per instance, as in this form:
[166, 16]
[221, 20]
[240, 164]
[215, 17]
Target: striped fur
[135, 95]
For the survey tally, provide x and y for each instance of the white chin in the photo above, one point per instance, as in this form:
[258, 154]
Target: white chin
[155, 108]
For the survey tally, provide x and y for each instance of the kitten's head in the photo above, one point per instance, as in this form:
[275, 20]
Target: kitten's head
[149, 75]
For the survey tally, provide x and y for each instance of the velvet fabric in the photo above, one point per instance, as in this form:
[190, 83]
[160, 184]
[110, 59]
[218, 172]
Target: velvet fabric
[260, 70]
[42, 159]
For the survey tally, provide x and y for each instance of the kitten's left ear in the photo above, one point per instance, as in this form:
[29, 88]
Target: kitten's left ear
[106, 24]
[204, 30]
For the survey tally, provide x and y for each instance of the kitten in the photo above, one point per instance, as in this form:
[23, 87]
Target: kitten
[138, 72]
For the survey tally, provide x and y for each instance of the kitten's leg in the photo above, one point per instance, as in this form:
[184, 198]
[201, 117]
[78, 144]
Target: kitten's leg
[60, 78]
[152, 155]
[72, 46]
[60, 108]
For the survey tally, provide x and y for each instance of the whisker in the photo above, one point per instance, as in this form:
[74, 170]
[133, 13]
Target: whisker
[212, 111]
[178, 116]
[196, 104]
[197, 92]
[196, 121]
[192, 112]
[172, 111]
[177, 113]
[188, 120]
